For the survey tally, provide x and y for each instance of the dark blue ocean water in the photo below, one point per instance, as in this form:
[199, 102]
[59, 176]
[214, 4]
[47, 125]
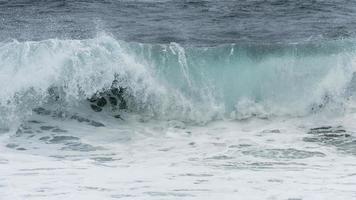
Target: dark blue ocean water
[192, 22]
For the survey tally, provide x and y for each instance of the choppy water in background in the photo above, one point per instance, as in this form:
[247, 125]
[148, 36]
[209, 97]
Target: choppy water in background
[191, 22]
[177, 100]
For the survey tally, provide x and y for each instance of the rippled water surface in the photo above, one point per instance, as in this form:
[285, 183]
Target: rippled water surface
[191, 22]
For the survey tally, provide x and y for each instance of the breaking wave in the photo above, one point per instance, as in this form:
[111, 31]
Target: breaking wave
[169, 81]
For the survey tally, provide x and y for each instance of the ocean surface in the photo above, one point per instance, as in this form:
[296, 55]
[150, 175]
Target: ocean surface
[165, 99]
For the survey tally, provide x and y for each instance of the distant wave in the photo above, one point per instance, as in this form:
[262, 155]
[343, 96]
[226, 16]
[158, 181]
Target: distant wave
[175, 82]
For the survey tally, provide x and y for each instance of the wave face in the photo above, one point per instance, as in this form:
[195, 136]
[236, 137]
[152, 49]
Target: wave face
[175, 82]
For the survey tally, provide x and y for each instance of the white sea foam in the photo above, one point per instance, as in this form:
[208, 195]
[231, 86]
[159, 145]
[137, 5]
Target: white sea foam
[255, 159]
